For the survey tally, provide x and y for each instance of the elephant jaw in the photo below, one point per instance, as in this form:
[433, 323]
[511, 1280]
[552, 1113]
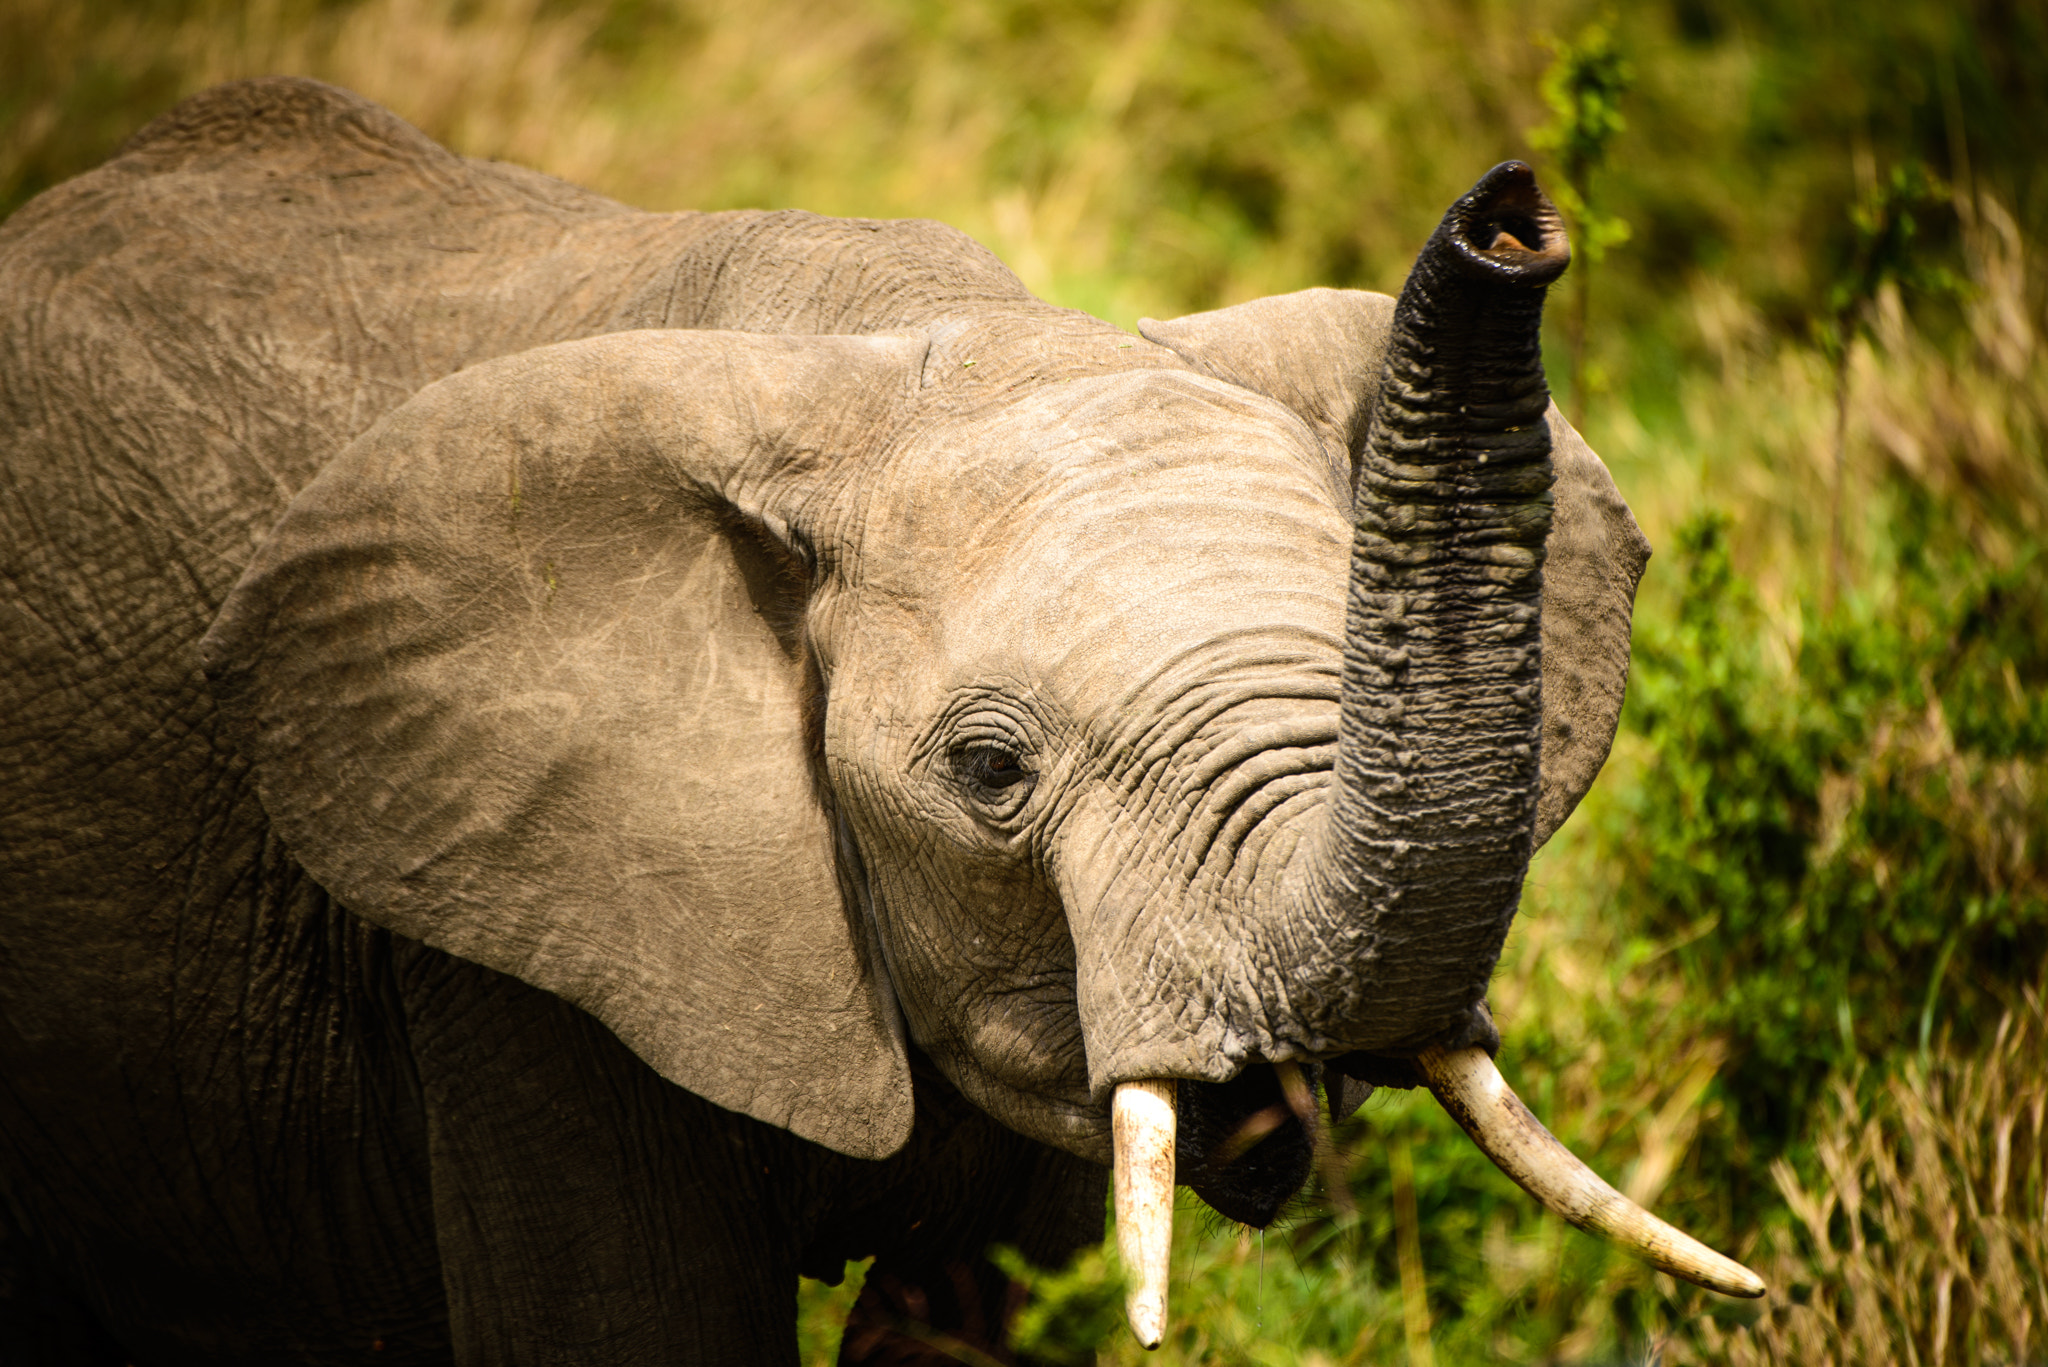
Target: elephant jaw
[1466, 1083]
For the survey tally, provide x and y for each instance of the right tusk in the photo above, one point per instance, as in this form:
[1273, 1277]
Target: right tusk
[1141, 1122]
[1480, 1100]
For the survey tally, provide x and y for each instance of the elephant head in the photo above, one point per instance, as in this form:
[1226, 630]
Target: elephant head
[1114, 721]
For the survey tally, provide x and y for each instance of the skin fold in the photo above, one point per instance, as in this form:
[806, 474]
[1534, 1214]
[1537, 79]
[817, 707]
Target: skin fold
[566, 766]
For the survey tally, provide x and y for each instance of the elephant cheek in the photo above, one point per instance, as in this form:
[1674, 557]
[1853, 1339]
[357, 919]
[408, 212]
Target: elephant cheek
[986, 983]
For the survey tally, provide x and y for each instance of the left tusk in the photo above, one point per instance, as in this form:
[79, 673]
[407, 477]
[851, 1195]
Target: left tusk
[1468, 1085]
[1141, 1121]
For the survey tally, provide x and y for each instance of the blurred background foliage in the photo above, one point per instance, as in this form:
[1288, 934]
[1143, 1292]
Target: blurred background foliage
[1780, 975]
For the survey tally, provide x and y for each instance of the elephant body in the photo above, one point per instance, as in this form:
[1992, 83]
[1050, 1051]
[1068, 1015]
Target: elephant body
[256, 1103]
[383, 1152]
[252, 1127]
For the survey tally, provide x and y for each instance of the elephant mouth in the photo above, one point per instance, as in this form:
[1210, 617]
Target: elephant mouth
[1245, 1146]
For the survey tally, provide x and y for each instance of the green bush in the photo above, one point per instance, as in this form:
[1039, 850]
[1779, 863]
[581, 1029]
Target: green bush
[1850, 852]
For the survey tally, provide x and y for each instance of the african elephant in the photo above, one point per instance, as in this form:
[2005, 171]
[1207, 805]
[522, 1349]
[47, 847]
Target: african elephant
[565, 766]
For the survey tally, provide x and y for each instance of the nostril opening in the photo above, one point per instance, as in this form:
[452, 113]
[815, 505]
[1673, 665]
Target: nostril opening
[1504, 231]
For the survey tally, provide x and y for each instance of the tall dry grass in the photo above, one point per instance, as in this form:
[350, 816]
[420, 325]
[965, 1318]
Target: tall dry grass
[1954, 416]
[1922, 1238]
[1144, 156]
[1045, 129]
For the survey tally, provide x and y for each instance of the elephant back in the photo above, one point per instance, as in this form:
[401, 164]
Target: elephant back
[188, 334]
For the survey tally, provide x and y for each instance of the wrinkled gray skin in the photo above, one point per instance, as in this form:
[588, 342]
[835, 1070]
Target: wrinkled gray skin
[478, 656]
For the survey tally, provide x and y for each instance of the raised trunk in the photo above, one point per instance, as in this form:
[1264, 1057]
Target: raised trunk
[1419, 869]
[1407, 891]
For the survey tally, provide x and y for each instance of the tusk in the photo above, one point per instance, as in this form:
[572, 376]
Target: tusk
[1141, 1120]
[1468, 1085]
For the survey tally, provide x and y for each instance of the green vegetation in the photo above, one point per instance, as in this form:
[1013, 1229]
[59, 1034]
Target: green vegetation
[1923, 1237]
[1826, 843]
[1583, 88]
[1886, 223]
[1780, 976]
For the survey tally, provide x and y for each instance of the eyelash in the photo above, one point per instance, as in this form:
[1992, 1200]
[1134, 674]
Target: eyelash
[995, 768]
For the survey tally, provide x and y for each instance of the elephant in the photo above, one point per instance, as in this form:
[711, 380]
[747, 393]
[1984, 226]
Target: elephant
[567, 766]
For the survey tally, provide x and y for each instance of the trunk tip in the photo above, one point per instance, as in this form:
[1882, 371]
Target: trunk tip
[1506, 228]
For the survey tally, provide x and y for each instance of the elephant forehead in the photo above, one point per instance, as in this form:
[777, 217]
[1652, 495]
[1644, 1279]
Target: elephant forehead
[1155, 523]
[1105, 443]
[1107, 606]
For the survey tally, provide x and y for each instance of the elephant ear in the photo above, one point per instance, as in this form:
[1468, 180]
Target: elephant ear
[1320, 352]
[522, 675]
[1317, 351]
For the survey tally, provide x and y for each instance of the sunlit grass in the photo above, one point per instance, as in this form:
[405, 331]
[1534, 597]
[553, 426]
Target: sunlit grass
[1924, 1238]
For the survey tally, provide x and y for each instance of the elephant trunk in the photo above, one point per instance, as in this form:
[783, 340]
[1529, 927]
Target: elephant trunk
[1402, 900]
[1421, 864]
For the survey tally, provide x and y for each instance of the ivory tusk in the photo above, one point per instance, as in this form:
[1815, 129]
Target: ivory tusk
[1141, 1120]
[1468, 1085]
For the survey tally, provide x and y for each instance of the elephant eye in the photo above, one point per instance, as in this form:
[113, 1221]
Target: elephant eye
[994, 773]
